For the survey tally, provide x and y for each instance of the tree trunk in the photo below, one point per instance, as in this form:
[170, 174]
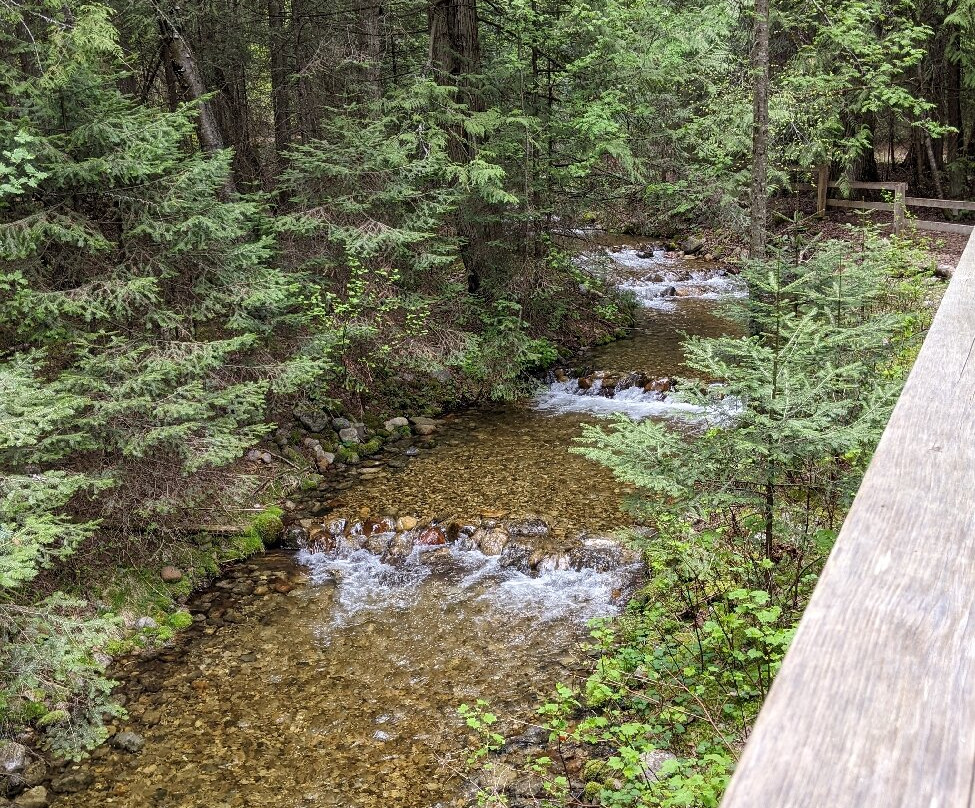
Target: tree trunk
[758, 235]
[279, 46]
[454, 55]
[186, 71]
[370, 40]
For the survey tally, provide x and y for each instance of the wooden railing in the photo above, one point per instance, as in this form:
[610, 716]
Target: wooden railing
[874, 706]
[898, 206]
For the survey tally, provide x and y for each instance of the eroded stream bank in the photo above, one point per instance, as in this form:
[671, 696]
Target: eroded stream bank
[335, 682]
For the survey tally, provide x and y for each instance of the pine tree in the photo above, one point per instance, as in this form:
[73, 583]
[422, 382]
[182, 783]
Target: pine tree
[135, 307]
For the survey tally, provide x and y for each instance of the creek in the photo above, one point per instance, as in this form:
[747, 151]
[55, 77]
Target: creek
[332, 678]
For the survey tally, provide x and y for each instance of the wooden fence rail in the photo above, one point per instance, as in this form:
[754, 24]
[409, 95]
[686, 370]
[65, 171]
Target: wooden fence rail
[874, 706]
[901, 202]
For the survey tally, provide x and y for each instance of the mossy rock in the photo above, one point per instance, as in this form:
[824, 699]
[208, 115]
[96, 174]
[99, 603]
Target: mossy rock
[269, 526]
[346, 454]
[595, 771]
[311, 482]
[371, 447]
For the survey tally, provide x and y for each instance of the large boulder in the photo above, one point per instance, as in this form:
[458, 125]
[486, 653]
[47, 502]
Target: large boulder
[693, 245]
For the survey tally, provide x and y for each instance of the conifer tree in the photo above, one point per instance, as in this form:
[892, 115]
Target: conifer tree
[135, 304]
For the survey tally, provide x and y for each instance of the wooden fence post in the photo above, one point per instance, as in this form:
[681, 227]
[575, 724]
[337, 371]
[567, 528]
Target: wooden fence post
[821, 188]
[900, 195]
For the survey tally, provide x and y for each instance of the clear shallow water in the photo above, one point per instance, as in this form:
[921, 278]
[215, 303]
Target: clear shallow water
[335, 682]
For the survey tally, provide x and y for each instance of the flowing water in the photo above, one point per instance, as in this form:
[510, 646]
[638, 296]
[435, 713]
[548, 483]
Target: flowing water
[332, 679]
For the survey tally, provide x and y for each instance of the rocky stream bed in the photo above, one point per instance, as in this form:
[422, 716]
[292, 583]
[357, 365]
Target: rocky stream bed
[461, 562]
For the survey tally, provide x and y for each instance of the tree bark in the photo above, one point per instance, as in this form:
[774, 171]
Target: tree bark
[370, 41]
[758, 235]
[186, 71]
[454, 55]
[279, 46]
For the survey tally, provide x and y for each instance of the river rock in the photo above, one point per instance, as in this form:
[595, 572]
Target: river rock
[72, 782]
[378, 543]
[338, 424]
[653, 761]
[35, 773]
[670, 291]
[406, 523]
[528, 527]
[396, 423]
[497, 776]
[35, 797]
[692, 245]
[385, 525]
[431, 537]
[601, 554]
[323, 459]
[492, 542]
[14, 757]
[349, 434]
[294, 537]
[321, 540]
[412, 451]
[551, 562]
[515, 554]
[584, 383]
[312, 420]
[401, 545]
[131, 742]
[171, 574]
[337, 527]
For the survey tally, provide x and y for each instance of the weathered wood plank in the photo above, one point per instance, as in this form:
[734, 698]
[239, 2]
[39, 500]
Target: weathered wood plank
[875, 186]
[874, 706]
[943, 227]
[822, 189]
[947, 204]
[858, 204]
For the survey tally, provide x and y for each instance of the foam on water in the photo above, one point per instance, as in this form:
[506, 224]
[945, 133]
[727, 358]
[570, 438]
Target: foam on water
[364, 583]
[567, 396]
[648, 277]
[558, 594]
